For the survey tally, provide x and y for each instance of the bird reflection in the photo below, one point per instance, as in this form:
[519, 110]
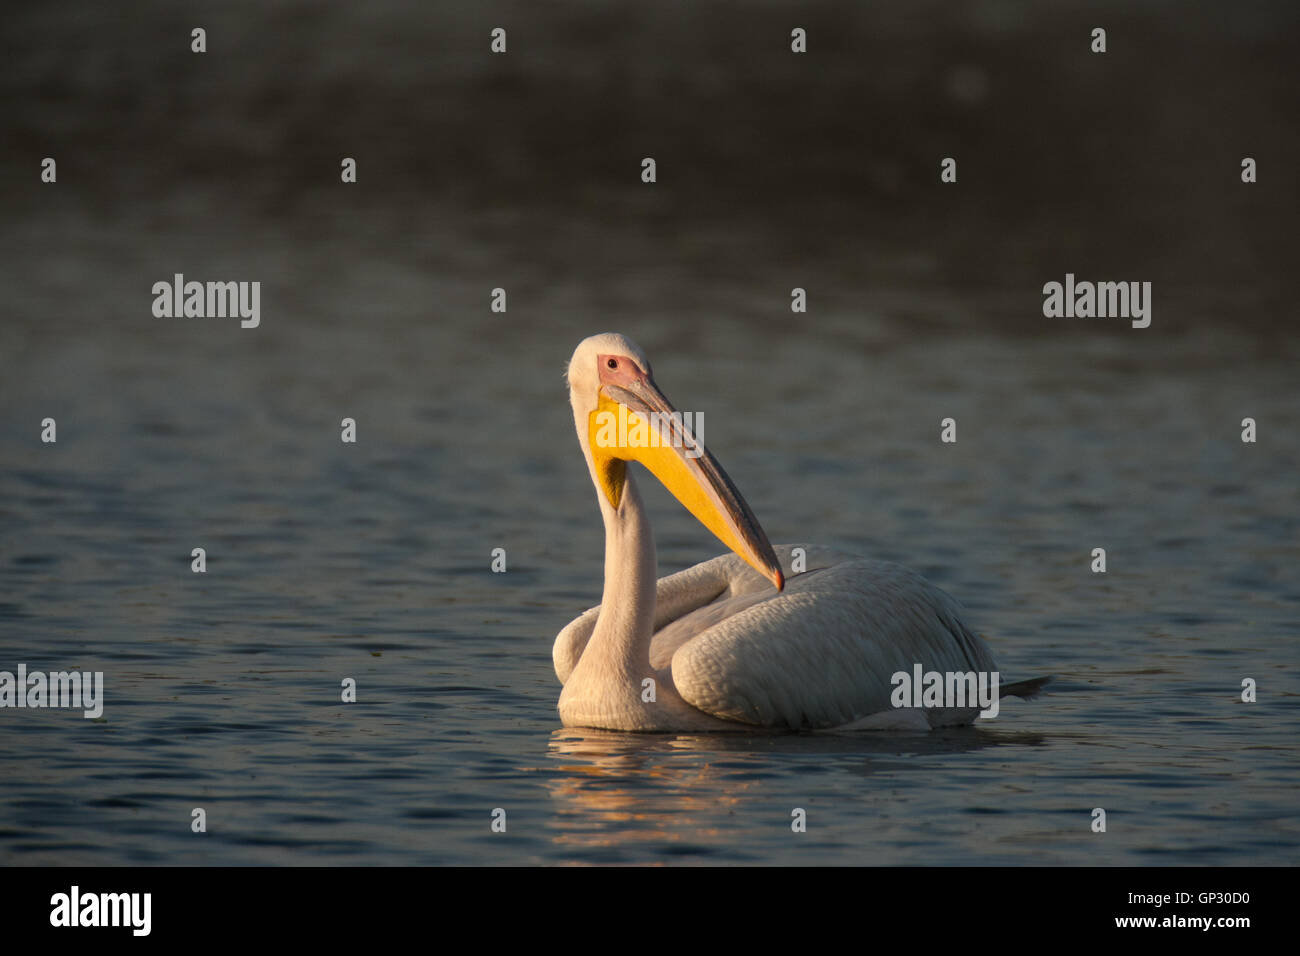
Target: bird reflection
[673, 795]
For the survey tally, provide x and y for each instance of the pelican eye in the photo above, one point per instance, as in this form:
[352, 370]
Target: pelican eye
[612, 363]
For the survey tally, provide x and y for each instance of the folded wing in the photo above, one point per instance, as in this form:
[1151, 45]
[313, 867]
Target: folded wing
[821, 653]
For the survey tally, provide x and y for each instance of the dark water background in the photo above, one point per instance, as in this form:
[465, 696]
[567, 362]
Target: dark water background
[328, 560]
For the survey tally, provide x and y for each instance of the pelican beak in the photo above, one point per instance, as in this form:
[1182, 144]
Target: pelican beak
[633, 421]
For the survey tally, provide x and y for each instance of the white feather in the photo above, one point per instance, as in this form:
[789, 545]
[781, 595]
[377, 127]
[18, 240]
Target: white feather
[718, 647]
[820, 654]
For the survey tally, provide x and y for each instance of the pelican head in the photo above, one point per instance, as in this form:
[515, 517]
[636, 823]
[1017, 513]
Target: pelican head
[621, 416]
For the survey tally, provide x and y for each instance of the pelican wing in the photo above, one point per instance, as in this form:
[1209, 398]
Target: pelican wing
[822, 652]
[724, 577]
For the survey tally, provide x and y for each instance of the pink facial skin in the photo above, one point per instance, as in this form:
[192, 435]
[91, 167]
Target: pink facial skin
[625, 371]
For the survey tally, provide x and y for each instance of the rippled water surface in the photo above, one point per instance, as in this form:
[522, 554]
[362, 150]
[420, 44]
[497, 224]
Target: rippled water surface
[371, 561]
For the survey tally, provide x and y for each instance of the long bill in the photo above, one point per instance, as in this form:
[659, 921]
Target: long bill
[633, 421]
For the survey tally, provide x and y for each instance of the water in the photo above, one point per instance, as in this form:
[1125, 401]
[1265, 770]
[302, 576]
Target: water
[371, 561]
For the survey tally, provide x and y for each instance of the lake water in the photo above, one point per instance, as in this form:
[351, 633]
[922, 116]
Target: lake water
[372, 561]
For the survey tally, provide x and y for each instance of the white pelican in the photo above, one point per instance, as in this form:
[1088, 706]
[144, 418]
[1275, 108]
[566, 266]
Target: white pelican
[730, 644]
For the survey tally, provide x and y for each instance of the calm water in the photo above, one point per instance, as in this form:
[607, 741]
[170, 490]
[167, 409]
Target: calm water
[371, 561]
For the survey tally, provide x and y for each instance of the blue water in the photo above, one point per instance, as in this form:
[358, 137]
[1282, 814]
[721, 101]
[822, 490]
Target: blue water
[371, 561]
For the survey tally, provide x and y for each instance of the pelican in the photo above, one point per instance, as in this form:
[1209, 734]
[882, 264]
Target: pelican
[741, 642]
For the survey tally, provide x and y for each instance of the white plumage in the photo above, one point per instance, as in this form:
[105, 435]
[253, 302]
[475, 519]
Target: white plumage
[717, 646]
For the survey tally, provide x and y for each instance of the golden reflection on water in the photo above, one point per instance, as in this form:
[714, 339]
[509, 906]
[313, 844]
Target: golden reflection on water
[638, 788]
[617, 789]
